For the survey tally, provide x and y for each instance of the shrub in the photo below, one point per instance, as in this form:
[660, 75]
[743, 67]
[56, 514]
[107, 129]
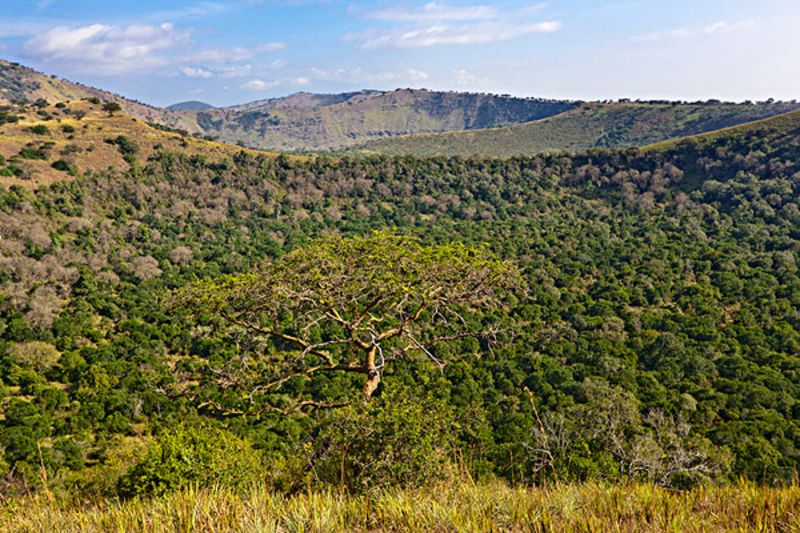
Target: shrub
[32, 152]
[398, 440]
[66, 128]
[65, 166]
[192, 456]
[40, 129]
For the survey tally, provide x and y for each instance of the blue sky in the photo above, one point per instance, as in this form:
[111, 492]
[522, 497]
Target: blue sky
[227, 52]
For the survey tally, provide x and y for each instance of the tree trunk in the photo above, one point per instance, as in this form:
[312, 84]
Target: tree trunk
[373, 375]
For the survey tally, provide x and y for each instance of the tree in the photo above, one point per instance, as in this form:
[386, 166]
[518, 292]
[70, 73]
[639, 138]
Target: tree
[111, 108]
[346, 306]
[38, 355]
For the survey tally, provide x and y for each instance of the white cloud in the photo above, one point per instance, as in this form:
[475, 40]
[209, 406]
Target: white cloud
[436, 23]
[278, 63]
[698, 31]
[467, 79]
[238, 53]
[359, 76]
[234, 71]
[436, 11]
[106, 49]
[417, 75]
[239, 71]
[443, 34]
[196, 72]
[196, 10]
[259, 85]
[301, 82]
[408, 75]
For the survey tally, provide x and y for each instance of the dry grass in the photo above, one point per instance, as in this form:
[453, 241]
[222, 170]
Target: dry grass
[493, 507]
[86, 146]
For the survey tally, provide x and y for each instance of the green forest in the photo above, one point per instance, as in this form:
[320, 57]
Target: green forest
[375, 322]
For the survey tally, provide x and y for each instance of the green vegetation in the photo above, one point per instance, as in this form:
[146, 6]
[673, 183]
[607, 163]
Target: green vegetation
[111, 108]
[592, 125]
[39, 129]
[65, 166]
[380, 326]
[348, 306]
[192, 457]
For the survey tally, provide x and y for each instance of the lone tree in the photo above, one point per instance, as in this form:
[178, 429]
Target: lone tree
[111, 108]
[341, 305]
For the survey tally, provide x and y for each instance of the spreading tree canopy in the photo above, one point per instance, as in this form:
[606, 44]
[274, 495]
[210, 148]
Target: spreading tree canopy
[345, 305]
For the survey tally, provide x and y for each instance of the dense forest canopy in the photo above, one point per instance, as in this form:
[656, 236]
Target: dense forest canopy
[657, 338]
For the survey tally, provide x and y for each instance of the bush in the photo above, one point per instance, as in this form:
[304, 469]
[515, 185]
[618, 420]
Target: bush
[32, 152]
[397, 440]
[65, 166]
[192, 456]
[40, 129]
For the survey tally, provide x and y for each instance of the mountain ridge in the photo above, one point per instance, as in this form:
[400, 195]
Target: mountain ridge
[407, 121]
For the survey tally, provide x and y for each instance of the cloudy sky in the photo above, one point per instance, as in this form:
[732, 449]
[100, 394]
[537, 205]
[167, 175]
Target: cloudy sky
[233, 51]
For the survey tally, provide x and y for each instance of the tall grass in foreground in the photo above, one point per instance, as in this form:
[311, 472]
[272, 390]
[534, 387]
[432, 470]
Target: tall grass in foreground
[493, 507]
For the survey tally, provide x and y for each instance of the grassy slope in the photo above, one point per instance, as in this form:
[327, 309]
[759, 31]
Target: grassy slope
[86, 147]
[784, 123]
[592, 125]
[18, 83]
[460, 507]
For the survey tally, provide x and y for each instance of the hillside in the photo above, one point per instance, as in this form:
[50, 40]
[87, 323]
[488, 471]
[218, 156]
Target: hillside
[320, 122]
[786, 124]
[408, 121]
[653, 336]
[20, 83]
[302, 121]
[42, 144]
[593, 125]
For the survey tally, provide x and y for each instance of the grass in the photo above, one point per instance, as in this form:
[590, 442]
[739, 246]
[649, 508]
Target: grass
[489, 507]
[783, 123]
[593, 125]
[82, 143]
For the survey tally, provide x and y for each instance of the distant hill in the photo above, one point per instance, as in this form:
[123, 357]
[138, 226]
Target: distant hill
[192, 105]
[321, 122]
[411, 121]
[592, 125]
[787, 124]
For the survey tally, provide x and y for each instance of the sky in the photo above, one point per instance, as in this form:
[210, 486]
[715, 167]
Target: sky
[236, 51]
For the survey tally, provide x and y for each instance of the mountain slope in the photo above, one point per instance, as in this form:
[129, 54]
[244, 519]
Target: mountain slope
[662, 301]
[20, 83]
[319, 122]
[407, 121]
[42, 144]
[302, 121]
[786, 124]
[593, 125]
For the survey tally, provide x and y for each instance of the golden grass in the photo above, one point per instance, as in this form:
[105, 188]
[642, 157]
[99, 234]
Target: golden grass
[490, 507]
[92, 153]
